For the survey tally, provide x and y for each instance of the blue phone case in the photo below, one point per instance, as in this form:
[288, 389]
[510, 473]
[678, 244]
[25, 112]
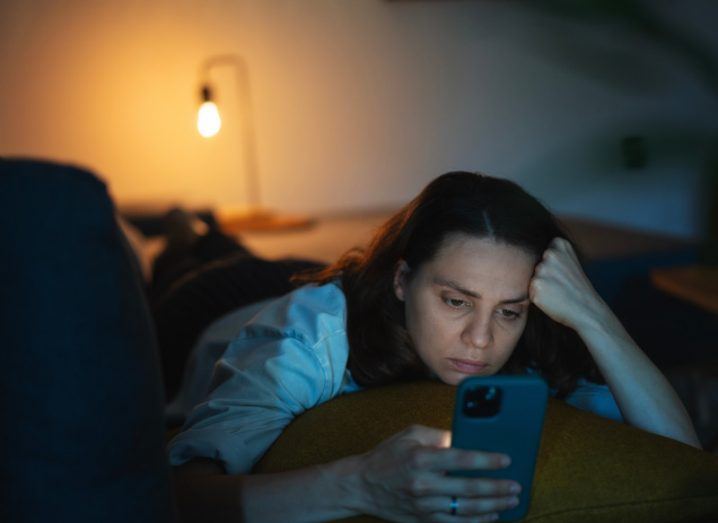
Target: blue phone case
[502, 414]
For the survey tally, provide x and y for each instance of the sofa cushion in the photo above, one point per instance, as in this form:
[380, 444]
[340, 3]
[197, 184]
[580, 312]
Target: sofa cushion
[589, 469]
[80, 387]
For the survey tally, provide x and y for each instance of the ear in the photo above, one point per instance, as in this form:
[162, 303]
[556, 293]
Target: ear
[400, 279]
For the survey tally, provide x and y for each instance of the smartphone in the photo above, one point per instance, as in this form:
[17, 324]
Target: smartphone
[502, 414]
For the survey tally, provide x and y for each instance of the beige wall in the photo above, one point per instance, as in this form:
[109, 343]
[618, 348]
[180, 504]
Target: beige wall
[358, 103]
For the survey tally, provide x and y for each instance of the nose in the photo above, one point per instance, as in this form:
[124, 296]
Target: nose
[477, 332]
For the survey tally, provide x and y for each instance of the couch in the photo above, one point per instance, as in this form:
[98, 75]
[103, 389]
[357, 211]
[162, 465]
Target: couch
[82, 404]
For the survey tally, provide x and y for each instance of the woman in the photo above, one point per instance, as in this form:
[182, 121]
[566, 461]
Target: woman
[473, 277]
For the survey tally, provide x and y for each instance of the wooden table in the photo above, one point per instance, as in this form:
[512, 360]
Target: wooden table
[697, 284]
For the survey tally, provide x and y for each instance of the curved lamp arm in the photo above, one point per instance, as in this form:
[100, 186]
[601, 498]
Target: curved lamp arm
[245, 116]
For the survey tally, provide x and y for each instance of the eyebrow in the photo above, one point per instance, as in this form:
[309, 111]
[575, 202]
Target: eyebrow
[473, 294]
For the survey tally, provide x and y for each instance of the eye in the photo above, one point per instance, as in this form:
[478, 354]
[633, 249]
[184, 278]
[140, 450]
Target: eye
[508, 314]
[457, 303]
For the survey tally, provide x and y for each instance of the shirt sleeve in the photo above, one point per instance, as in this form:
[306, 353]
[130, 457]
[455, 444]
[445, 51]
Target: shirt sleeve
[268, 375]
[595, 398]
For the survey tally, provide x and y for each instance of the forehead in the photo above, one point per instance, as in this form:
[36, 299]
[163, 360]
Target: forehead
[476, 262]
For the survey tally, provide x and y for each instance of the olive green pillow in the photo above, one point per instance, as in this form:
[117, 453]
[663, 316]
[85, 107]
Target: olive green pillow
[589, 469]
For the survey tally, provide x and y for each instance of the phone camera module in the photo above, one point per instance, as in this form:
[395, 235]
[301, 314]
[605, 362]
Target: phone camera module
[482, 402]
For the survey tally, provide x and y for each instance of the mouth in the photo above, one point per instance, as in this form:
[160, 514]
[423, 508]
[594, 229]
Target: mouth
[467, 366]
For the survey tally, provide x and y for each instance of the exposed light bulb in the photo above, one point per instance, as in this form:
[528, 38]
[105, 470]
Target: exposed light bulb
[208, 119]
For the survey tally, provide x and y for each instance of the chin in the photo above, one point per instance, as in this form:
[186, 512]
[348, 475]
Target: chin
[454, 378]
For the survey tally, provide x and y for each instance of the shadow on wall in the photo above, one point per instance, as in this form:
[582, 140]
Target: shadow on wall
[626, 69]
[672, 168]
[621, 68]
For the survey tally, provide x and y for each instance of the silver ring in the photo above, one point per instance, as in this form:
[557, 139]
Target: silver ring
[454, 505]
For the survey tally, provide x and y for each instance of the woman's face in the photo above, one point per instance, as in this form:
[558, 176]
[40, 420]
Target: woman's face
[466, 308]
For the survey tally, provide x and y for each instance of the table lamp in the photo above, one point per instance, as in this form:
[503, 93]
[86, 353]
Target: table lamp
[252, 217]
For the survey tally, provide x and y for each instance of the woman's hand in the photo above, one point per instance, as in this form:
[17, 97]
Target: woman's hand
[645, 397]
[404, 479]
[562, 290]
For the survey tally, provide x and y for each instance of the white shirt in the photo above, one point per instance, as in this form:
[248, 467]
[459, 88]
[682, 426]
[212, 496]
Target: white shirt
[257, 368]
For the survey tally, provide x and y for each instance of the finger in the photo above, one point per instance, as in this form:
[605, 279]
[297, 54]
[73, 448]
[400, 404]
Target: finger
[555, 264]
[558, 241]
[466, 506]
[561, 243]
[551, 258]
[541, 268]
[428, 436]
[565, 245]
[554, 253]
[448, 518]
[433, 485]
[532, 294]
[443, 459]
[535, 288]
[478, 506]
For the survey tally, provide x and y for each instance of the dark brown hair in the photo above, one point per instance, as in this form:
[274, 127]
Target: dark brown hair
[381, 350]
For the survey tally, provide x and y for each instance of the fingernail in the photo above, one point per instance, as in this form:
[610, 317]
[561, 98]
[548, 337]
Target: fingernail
[505, 461]
[513, 502]
[515, 488]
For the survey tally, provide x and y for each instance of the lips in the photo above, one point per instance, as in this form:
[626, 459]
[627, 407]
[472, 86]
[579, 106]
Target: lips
[467, 366]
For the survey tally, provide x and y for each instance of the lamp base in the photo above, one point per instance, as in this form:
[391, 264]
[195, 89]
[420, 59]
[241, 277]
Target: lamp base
[234, 220]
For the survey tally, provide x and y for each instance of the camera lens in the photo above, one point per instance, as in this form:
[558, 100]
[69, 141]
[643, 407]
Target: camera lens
[482, 401]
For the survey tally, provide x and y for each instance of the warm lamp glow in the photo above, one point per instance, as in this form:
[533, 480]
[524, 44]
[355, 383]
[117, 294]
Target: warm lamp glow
[208, 119]
[252, 216]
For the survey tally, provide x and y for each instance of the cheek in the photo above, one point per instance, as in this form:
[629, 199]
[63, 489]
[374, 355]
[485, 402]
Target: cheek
[419, 321]
[511, 334]
[428, 331]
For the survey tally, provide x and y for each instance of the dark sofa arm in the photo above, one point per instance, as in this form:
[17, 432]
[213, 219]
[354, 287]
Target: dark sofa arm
[80, 387]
